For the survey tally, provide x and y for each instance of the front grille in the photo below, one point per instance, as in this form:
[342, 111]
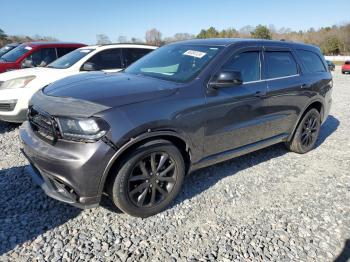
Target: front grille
[7, 106]
[43, 124]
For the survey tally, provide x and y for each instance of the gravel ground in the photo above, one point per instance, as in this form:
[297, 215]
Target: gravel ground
[268, 205]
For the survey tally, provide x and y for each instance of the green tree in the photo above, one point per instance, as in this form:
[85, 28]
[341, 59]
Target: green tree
[211, 32]
[229, 33]
[261, 32]
[332, 46]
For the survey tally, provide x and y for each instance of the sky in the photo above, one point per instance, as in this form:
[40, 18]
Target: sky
[82, 20]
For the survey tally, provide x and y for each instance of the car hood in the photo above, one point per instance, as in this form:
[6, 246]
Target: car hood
[111, 89]
[36, 71]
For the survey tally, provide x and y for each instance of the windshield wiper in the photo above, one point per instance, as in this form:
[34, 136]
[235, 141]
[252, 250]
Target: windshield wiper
[3, 59]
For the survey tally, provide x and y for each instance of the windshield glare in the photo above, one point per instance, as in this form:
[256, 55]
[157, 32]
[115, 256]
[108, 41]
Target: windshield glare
[16, 53]
[178, 63]
[70, 59]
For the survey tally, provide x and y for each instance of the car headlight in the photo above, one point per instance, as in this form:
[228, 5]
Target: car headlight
[16, 82]
[88, 129]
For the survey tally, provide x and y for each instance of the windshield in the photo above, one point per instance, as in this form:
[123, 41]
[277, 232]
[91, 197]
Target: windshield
[70, 59]
[6, 49]
[178, 63]
[16, 53]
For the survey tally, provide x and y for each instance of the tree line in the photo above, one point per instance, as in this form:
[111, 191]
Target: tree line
[6, 39]
[333, 40]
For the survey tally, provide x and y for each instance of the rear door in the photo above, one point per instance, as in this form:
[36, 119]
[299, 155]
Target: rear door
[235, 115]
[285, 89]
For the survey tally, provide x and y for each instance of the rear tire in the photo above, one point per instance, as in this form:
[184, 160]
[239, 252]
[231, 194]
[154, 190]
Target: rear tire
[149, 179]
[306, 134]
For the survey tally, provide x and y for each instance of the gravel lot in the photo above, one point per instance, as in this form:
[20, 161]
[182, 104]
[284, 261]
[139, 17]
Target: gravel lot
[268, 205]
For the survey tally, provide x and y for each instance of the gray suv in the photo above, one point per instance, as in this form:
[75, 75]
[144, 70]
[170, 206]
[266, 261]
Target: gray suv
[135, 135]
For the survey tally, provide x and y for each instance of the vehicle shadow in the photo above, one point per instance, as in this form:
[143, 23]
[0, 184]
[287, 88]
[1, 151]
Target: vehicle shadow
[329, 127]
[7, 127]
[203, 179]
[26, 212]
[345, 254]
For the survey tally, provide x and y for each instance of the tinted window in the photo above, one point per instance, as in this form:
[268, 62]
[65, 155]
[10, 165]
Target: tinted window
[247, 63]
[107, 59]
[16, 53]
[312, 61]
[347, 62]
[132, 54]
[280, 64]
[178, 63]
[6, 49]
[61, 51]
[70, 59]
[43, 57]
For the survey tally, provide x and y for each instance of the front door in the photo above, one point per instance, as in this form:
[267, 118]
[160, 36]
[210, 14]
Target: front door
[235, 115]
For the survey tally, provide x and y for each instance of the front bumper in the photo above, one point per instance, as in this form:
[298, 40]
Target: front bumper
[70, 172]
[16, 110]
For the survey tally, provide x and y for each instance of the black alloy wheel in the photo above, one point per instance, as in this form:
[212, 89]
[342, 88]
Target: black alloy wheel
[307, 133]
[152, 179]
[149, 179]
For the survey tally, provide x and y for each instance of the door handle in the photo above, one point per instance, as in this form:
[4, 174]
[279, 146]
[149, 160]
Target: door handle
[305, 86]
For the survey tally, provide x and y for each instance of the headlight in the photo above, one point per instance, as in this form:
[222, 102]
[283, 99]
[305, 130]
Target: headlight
[17, 82]
[89, 129]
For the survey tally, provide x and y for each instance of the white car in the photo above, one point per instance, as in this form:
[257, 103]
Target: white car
[17, 87]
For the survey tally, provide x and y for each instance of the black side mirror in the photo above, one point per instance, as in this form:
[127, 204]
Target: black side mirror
[89, 67]
[227, 79]
[27, 63]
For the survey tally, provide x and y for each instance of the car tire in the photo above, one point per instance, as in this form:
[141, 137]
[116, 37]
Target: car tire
[142, 186]
[307, 133]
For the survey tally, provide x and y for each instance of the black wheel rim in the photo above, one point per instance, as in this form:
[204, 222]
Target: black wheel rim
[152, 179]
[309, 131]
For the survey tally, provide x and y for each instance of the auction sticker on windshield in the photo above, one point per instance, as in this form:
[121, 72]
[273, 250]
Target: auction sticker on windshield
[194, 53]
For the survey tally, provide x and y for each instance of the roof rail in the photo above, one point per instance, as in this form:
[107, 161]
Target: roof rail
[145, 44]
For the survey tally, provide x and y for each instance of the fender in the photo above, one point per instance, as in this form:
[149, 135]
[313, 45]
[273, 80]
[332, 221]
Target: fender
[313, 100]
[132, 142]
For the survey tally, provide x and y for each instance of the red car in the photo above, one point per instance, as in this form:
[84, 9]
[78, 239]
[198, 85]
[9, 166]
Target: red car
[346, 67]
[35, 54]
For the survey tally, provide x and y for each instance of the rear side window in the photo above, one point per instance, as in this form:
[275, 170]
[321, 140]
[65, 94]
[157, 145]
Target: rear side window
[311, 61]
[347, 62]
[42, 57]
[107, 59]
[280, 64]
[61, 51]
[132, 54]
[248, 63]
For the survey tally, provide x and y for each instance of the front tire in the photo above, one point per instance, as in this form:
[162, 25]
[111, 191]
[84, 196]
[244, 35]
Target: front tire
[149, 179]
[307, 133]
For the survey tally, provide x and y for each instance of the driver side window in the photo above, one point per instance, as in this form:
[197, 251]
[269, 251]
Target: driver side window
[248, 63]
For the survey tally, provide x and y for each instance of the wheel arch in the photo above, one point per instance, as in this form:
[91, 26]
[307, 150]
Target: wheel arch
[178, 140]
[317, 104]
